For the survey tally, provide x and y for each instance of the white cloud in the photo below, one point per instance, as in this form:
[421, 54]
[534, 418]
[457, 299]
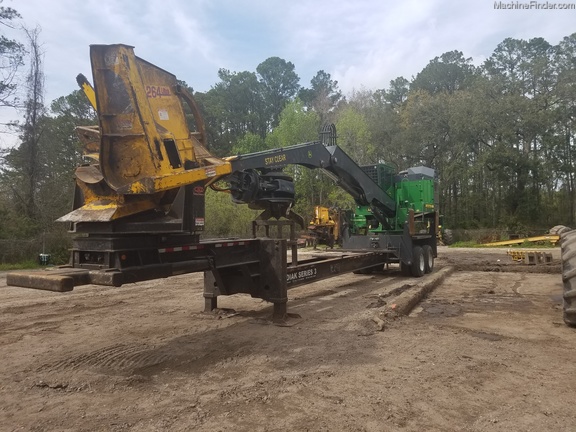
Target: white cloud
[368, 43]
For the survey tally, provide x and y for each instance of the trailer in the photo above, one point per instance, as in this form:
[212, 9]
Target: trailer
[139, 206]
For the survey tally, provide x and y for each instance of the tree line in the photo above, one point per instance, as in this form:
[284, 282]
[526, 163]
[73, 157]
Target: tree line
[500, 135]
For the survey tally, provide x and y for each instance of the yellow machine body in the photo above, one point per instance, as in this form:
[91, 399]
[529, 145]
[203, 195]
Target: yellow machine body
[322, 217]
[325, 224]
[142, 150]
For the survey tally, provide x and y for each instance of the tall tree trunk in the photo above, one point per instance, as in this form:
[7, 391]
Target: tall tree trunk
[31, 129]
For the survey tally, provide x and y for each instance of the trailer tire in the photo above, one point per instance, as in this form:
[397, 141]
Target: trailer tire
[405, 269]
[428, 258]
[418, 263]
[569, 278]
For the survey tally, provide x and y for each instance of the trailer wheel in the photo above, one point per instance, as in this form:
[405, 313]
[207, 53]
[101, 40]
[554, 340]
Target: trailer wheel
[569, 278]
[418, 263]
[428, 258]
[405, 269]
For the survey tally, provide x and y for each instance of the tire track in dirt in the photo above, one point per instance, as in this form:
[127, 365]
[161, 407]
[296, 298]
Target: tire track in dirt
[118, 358]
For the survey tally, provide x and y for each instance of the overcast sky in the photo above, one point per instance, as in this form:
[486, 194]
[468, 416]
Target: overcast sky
[361, 43]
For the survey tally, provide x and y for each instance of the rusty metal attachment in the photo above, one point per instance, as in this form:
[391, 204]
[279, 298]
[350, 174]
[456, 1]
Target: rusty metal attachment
[142, 150]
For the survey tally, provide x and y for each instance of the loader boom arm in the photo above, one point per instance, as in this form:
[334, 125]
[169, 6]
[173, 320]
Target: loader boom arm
[314, 155]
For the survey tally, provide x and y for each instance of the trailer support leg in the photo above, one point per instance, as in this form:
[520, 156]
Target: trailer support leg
[210, 303]
[260, 273]
[280, 311]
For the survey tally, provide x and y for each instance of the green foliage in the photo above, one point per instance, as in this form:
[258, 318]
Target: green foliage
[19, 246]
[500, 136]
[279, 83]
[21, 169]
[323, 96]
[379, 112]
[24, 265]
[449, 73]
[249, 143]
[247, 102]
[465, 244]
[14, 224]
[233, 107]
[226, 219]
[337, 197]
[47, 167]
[397, 94]
[297, 125]
[354, 136]
[36, 176]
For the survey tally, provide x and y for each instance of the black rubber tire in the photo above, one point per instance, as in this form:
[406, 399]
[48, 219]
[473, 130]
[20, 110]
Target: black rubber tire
[569, 278]
[405, 269]
[567, 235]
[447, 237]
[559, 230]
[417, 268]
[428, 258]
[554, 229]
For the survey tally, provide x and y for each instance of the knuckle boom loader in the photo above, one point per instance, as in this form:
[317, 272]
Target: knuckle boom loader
[139, 204]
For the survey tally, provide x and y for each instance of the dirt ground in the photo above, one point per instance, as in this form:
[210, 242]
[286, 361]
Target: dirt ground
[486, 351]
